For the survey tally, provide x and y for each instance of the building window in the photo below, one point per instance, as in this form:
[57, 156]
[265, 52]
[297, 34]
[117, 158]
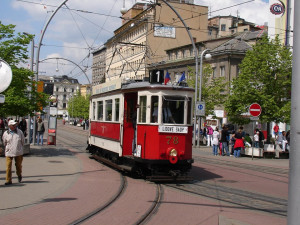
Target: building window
[57, 89]
[65, 98]
[64, 105]
[223, 27]
[65, 90]
[222, 71]
[209, 32]
[214, 71]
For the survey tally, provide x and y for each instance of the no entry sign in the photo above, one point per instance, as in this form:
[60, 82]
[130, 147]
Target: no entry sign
[255, 109]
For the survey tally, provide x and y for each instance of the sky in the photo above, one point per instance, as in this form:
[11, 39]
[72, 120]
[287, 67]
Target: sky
[85, 25]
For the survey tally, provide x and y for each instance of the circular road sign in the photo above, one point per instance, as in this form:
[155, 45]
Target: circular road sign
[255, 109]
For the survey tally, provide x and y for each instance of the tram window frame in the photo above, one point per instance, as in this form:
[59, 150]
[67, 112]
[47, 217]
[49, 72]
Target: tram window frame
[108, 109]
[117, 110]
[143, 109]
[189, 110]
[176, 106]
[100, 110]
[94, 110]
[154, 108]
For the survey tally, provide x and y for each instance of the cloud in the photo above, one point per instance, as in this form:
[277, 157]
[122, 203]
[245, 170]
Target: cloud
[252, 11]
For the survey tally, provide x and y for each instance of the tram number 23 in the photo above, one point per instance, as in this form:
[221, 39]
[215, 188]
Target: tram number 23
[172, 140]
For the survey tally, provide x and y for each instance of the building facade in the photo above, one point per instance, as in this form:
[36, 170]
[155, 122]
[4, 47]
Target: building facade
[64, 88]
[98, 68]
[147, 32]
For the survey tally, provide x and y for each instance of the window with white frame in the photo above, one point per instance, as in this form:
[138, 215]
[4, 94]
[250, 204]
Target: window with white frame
[222, 71]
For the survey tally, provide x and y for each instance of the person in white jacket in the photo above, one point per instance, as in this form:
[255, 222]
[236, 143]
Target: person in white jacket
[13, 140]
[215, 141]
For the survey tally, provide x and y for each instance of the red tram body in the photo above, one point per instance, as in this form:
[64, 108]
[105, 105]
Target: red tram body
[145, 128]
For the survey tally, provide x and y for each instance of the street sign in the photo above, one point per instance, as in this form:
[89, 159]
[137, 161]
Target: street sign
[200, 109]
[254, 118]
[255, 109]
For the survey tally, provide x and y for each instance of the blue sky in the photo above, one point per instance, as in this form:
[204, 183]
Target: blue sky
[73, 34]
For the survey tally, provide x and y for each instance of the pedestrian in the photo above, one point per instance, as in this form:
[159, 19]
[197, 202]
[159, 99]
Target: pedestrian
[239, 143]
[215, 141]
[2, 123]
[23, 126]
[224, 140]
[40, 131]
[31, 130]
[276, 130]
[13, 140]
[209, 133]
[256, 140]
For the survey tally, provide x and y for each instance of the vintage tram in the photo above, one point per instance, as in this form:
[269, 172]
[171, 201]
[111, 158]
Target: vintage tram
[141, 127]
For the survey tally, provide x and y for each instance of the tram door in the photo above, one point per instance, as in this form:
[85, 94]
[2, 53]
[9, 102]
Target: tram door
[129, 125]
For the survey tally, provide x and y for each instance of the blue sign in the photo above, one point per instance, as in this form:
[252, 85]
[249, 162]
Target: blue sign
[200, 109]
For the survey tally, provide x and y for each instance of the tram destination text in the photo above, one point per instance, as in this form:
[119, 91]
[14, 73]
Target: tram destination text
[172, 129]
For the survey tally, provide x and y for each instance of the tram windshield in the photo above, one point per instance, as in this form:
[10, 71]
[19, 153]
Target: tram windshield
[173, 109]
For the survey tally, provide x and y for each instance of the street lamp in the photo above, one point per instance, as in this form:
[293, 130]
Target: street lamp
[207, 57]
[31, 68]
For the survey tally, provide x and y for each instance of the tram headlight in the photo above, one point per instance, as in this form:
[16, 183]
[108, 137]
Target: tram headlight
[173, 153]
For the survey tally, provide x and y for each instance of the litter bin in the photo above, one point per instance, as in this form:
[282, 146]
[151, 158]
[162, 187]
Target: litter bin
[51, 139]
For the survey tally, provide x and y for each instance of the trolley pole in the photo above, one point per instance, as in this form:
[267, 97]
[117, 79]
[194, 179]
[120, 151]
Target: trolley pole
[294, 179]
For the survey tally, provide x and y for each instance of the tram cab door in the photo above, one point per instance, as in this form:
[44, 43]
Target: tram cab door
[129, 123]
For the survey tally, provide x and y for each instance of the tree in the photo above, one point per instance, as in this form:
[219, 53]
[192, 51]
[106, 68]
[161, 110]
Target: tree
[212, 89]
[265, 78]
[13, 50]
[78, 106]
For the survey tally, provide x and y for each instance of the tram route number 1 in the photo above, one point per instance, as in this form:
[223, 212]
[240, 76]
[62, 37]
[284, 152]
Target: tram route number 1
[172, 140]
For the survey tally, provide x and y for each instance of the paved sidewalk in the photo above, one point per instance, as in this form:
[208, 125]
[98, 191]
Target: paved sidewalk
[47, 172]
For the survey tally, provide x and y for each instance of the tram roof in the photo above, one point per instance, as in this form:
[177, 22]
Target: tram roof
[117, 85]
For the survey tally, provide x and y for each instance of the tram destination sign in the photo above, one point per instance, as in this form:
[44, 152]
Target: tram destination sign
[172, 129]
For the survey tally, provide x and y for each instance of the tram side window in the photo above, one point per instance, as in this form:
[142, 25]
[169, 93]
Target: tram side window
[108, 110]
[100, 110]
[189, 113]
[94, 110]
[117, 109]
[173, 109]
[143, 109]
[154, 109]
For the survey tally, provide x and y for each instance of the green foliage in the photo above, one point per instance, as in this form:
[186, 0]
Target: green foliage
[265, 78]
[78, 106]
[13, 50]
[212, 89]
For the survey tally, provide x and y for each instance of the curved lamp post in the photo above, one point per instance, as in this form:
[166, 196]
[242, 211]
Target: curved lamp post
[196, 63]
[207, 56]
[37, 58]
[70, 62]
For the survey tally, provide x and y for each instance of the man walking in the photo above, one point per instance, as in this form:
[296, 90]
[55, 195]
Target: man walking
[13, 140]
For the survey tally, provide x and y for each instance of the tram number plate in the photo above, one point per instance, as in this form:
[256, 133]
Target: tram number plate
[172, 129]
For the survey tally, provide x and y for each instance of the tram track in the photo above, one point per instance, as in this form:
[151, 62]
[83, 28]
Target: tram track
[75, 143]
[100, 209]
[257, 168]
[156, 203]
[237, 197]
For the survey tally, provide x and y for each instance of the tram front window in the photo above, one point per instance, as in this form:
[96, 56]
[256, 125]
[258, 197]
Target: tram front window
[173, 109]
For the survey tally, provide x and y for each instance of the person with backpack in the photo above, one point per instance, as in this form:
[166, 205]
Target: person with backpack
[210, 132]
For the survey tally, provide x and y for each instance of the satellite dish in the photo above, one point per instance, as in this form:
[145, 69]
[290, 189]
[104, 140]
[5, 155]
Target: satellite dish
[5, 76]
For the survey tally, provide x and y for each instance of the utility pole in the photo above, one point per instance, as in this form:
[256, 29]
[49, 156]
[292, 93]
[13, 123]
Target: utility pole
[294, 179]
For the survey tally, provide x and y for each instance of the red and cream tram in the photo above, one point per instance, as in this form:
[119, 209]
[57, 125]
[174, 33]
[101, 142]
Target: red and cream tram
[142, 127]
